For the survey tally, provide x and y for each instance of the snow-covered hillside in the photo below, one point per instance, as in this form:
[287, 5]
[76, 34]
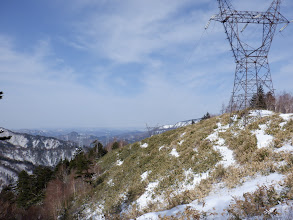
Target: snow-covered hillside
[208, 169]
[178, 124]
[24, 152]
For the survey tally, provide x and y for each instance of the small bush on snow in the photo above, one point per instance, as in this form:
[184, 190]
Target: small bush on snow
[219, 173]
[274, 125]
[262, 154]
[257, 203]
[281, 135]
[288, 183]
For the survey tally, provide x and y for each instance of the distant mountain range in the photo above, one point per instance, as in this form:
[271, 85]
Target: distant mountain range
[161, 129]
[25, 151]
[84, 137]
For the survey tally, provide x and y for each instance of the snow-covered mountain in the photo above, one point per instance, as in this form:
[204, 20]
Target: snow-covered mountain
[24, 152]
[163, 128]
[85, 136]
[178, 124]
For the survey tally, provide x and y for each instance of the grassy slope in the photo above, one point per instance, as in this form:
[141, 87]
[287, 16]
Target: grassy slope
[120, 185]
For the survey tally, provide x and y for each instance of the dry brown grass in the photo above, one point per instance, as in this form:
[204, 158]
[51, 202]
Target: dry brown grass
[195, 153]
[242, 142]
[255, 204]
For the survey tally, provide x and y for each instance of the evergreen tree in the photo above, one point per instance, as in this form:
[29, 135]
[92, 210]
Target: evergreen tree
[253, 100]
[97, 151]
[30, 188]
[101, 150]
[261, 98]
[115, 145]
[42, 175]
[24, 189]
[206, 116]
[92, 153]
[258, 100]
[7, 194]
[81, 164]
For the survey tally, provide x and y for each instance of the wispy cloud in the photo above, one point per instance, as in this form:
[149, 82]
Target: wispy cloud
[133, 31]
[124, 63]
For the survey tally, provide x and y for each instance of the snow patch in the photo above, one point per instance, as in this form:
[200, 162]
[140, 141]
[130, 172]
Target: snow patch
[191, 180]
[181, 142]
[227, 155]
[166, 126]
[286, 147]
[145, 175]
[261, 113]
[213, 136]
[222, 128]
[182, 134]
[119, 162]
[286, 117]
[219, 200]
[263, 140]
[284, 210]
[160, 148]
[219, 145]
[145, 145]
[282, 124]
[174, 153]
[110, 182]
[146, 197]
[96, 213]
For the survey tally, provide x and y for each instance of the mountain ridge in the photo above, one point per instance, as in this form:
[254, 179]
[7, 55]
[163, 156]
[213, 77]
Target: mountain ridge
[24, 152]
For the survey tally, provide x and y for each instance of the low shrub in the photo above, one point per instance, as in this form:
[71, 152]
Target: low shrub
[254, 204]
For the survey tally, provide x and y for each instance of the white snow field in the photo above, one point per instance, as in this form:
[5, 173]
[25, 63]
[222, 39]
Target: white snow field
[220, 199]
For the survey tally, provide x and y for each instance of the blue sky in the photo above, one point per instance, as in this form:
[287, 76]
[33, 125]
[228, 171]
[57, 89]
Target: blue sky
[110, 63]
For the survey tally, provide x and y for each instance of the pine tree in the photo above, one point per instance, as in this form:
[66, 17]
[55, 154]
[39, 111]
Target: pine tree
[30, 188]
[253, 101]
[206, 116]
[98, 150]
[261, 98]
[24, 189]
[42, 175]
[81, 163]
[115, 145]
[101, 150]
[258, 100]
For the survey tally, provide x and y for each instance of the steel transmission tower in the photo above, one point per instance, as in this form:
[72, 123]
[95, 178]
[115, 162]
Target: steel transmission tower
[252, 65]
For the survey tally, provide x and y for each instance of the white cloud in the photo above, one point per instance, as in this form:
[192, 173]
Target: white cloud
[38, 95]
[42, 89]
[137, 30]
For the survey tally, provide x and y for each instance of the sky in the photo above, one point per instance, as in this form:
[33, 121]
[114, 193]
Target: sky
[121, 64]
